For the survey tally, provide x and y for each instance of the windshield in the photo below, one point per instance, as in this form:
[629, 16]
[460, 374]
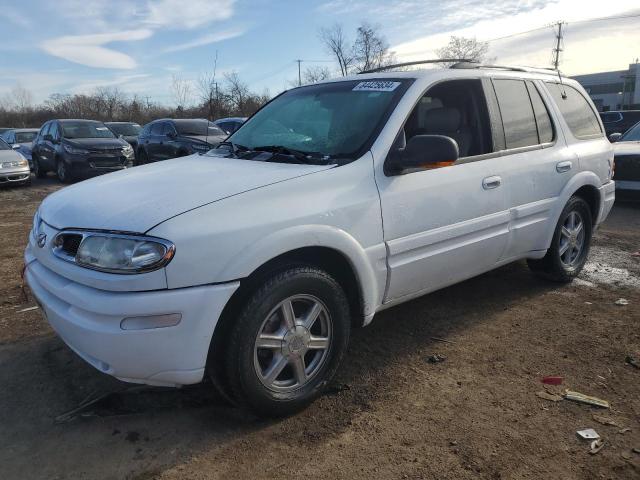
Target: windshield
[4, 145]
[333, 119]
[632, 135]
[199, 128]
[86, 130]
[125, 129]
[25, 137]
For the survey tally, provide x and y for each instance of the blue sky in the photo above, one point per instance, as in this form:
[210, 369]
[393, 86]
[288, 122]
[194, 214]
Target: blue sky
[75, 46]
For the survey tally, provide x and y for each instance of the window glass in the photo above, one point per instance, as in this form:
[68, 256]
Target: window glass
[456, 109]
[168, 129]
[156, 128]
[126, 129]
[53, 130]
[336, 118]
[632, 135]
[85, 129]
[575, 109]
[517, 113]
[543, 120]
[4, 145]
[44, 130]
[226, 126]
[611, 117]
[24, 137]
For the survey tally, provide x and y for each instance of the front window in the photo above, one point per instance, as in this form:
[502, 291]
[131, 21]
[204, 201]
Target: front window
[25, 137]
[126, 129]
[72, 130]
[337, 119]
[197, 128]
[632, 135]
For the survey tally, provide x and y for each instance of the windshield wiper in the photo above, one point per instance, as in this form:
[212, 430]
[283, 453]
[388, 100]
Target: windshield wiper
[304, 157]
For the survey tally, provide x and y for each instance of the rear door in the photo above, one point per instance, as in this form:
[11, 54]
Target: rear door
[152, 143]
[169, 145]
[537, 165]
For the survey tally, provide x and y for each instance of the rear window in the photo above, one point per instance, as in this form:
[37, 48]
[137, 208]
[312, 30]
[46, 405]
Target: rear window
[580, 117]
[518, 118]
[25, 137]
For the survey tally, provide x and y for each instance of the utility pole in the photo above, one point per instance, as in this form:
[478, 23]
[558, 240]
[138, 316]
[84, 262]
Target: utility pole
[558, 47]
[299, 73]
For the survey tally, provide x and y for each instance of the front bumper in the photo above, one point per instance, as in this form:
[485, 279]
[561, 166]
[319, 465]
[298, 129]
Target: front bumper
[88, 320]
[14, 175]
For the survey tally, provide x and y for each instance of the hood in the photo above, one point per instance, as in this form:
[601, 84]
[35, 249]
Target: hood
[26, 145]
[211, 139]
[105, 143]
[626, 148]
[137, 199]
[9, 156]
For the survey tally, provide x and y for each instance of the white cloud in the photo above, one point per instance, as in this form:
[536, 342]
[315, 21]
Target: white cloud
[592, 46]
[179, 14]
[206, 40]
[89, 50]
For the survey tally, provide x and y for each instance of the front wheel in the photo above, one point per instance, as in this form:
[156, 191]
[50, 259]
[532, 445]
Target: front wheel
[38, 171]
[62, 171]
[288, 341]
[570, 244]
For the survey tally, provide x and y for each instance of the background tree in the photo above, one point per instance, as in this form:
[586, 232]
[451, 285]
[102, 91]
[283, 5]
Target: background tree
[181, 92]
[315, 74]
[371, 49]
[336, 44]
[463, 48]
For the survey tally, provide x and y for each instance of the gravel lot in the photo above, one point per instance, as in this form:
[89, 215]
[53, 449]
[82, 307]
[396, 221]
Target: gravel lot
[389, 414]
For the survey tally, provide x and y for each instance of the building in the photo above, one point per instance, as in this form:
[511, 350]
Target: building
[619, 90]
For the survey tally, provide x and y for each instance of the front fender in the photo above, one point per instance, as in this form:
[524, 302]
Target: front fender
[362, 261]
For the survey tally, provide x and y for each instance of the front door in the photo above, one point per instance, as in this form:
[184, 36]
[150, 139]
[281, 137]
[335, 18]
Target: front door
[446, 224]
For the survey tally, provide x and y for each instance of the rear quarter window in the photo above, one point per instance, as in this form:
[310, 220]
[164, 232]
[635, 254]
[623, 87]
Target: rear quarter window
[580, 117]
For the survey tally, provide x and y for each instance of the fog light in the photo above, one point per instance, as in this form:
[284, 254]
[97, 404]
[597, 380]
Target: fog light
[151, 321]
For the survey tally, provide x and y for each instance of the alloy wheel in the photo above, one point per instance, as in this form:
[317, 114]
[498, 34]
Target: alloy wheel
[293, 343]
[572, 239]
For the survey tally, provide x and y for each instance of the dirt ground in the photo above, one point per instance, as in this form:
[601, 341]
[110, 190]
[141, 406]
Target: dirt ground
[389, 414]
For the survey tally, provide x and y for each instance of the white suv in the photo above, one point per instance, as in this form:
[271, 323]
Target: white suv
[252, 263]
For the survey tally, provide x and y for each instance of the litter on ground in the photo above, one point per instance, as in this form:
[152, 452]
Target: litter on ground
[582, 398]
[588, 434]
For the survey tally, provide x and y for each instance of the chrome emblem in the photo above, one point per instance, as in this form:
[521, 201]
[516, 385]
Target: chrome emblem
[41, 239]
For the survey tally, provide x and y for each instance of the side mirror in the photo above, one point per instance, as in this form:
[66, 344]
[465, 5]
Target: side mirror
[423, 152]
[172, 134]
[16, 146]
[614, 137]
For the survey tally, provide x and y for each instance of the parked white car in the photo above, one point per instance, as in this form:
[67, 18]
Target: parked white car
[252, 263]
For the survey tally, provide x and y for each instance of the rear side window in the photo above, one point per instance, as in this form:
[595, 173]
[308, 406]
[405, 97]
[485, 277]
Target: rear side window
[518, 118]
[168, 129]
[543, 120]
[577, 112]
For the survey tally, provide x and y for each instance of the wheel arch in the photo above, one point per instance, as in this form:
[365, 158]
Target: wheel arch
[585, 185]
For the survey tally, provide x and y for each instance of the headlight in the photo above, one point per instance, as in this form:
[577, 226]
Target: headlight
[15, 163]
[113, 253]
[127, 151]
[75, 150]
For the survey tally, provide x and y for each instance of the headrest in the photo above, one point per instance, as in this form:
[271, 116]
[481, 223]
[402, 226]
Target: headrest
[442, 120]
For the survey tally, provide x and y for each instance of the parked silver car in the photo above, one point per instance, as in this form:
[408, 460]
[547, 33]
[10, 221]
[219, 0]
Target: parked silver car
[14, 168]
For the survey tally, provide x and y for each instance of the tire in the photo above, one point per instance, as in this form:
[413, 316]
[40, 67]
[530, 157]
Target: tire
[570, 245]
[38, 171]
[142, 158]
[62, 172]
[306, 359]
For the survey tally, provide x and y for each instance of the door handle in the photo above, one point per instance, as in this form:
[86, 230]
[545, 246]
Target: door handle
[563, 167]
[491, 182]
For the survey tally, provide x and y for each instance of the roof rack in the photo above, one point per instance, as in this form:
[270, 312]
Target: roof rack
[513, 68]
[419, 62]
[464, 63]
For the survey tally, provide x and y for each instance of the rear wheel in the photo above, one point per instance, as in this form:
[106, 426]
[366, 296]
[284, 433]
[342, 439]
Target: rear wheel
[570, 244]
[288, 341]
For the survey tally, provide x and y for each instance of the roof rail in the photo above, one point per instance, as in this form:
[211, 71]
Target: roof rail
[419, 62]
[514, 68]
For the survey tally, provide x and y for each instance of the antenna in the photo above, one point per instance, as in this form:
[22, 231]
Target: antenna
[558, 48]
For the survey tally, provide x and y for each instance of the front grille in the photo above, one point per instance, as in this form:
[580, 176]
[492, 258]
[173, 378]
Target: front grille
[627, 168]
[67, 244]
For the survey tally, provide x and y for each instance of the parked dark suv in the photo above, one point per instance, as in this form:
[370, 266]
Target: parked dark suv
[619, 121]
[129, 131]
[170, 138]
[78, 148]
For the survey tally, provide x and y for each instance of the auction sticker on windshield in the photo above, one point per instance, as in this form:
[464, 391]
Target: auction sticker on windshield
[376, 86]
